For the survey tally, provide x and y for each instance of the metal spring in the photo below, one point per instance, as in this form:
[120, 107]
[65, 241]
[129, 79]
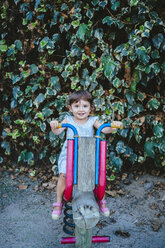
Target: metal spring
[69, 225]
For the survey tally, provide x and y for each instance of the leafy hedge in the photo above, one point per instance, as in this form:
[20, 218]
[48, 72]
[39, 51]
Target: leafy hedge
[113, 48]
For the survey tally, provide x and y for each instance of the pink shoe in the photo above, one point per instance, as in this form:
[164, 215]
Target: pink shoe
[57, 212]
[103, 210]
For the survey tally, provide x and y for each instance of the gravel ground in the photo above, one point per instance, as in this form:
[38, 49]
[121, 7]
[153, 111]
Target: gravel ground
[137, 216]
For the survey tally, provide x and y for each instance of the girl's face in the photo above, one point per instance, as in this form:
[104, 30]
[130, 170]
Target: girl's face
[80, 110]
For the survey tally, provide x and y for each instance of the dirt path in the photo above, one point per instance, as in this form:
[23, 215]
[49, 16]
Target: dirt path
[137, 215]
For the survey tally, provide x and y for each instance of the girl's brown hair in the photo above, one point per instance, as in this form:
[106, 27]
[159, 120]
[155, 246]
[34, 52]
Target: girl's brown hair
[76, 96]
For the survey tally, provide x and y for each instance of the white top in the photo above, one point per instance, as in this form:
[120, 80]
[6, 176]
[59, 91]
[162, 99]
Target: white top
[84, 130]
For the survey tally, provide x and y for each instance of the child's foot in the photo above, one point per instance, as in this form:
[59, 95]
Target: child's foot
[103, 208]
[57, 210]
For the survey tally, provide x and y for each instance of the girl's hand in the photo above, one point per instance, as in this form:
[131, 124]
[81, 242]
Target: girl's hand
[114, 126]
[117, 124]
[56, 129]
[54, 125]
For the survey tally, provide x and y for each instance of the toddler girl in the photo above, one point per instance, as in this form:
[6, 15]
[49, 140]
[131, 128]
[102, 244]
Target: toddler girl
[80, 104]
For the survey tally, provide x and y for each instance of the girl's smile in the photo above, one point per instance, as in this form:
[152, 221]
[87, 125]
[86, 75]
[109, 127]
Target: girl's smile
[80, 110]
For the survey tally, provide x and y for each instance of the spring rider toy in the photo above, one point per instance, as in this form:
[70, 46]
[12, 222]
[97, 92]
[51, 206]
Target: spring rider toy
[85, 183]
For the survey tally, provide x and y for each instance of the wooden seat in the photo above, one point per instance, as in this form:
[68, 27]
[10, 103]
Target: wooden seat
[86, 164]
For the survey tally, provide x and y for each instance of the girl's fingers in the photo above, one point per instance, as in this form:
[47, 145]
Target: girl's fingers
[54, 124]
[117, 124]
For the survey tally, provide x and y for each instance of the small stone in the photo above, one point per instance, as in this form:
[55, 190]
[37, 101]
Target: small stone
[156, 224]
[148, 186]
[122, 233]
[127, 182]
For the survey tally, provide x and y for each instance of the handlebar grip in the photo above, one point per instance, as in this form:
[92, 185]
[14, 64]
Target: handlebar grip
[113, 126]
[59, 125]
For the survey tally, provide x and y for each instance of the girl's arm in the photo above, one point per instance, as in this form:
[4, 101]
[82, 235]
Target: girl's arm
[54, 126]
[97, 124]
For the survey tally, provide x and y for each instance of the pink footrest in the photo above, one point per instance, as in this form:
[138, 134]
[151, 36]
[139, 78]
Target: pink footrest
[95, 239]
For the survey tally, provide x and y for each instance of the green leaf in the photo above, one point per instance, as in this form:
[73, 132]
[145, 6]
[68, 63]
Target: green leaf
[25, 74]
[19, 122]
[82, 31]
[137, 75]
[133, 2]
[117, 163]
[117, 82]
[15, 78]
[153, 104]
[124, 132]
[52, 136]
[115, 5]
[163, 67]
[16, 91]
[156, 68]
[76, 23]
[29, 158]
[155, 54]
[39, 99]
[90, 13]
[95, 2]
[43, 127]
[54, 82]
[33, 68]
[32, 173]
[43, 43]
[118, 106]
[39, 115]
[43, 153]
[103, 3]
[133, 86]
[22, 155]
[6, 145]
[18, 45]
[50, 92]
[3, 48]
[158, 130]
[64, 7]
[47, 112]
[142, 54]
[120, 147]
[137, 108]
[141, 96]
[109, 67]
[110, 20]
[98, 33]
[148, 25]
[149, 149]
[36, 139]
[138, 137]
[130, 96]
[157, 40]
[52, 158]
[99, 103]
[133, 158]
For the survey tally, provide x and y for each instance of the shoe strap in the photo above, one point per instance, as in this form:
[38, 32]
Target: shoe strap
[57, 204]
[103, 202]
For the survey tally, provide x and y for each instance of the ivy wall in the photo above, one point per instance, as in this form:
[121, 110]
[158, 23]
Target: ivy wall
[113, 48]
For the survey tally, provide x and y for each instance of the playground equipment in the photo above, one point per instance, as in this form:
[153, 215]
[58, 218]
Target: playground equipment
[85, 183]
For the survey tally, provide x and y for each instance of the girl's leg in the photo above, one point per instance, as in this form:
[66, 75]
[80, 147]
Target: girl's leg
[60, 187]
[57, 206]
